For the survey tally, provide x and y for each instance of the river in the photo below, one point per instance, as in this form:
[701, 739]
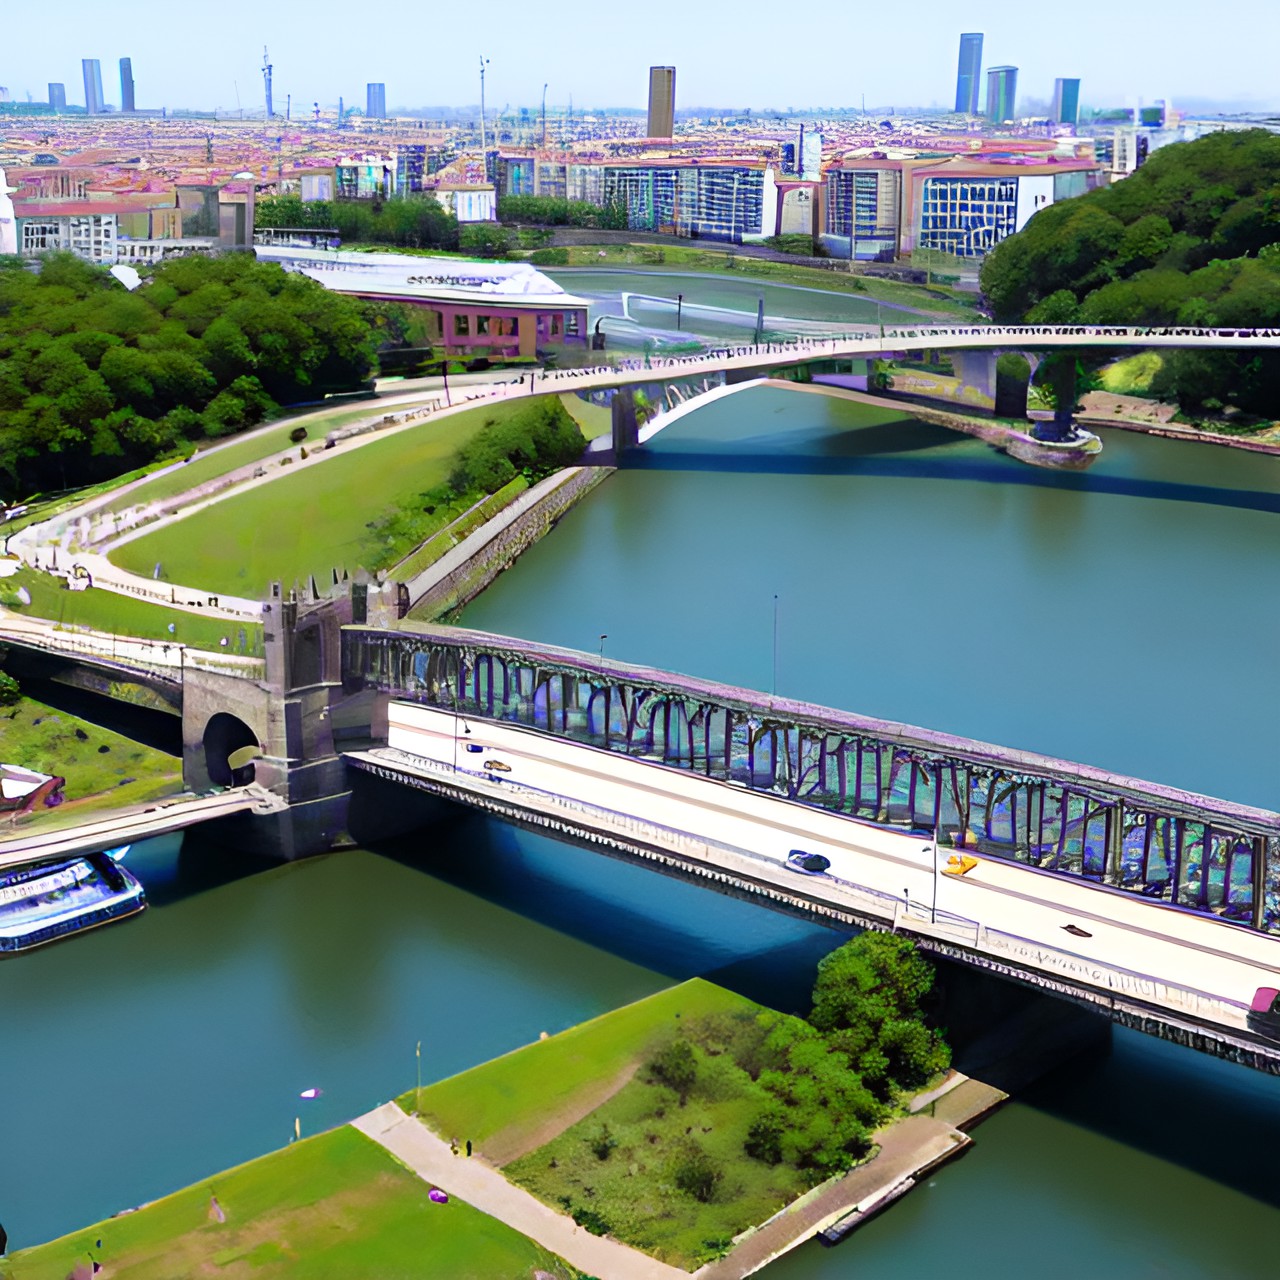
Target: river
[1123, 618]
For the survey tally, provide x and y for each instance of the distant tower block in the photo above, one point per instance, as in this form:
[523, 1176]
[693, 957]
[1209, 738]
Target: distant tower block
[126, 84]
[1066, 101]
[662, 102]
[968, 73]
[57, 96]
[375, 105]
[1002, 93]
[92, 70]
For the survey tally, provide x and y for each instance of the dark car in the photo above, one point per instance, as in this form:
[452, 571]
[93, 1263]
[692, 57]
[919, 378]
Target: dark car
[811, 864]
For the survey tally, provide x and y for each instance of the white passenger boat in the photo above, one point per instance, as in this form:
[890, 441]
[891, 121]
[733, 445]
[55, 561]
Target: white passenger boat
[45, 903]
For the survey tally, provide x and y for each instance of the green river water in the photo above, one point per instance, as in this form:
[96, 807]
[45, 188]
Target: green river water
[1124, 618]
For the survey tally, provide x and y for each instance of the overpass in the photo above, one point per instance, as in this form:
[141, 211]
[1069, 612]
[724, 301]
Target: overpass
[1159, 906]
[131, 825]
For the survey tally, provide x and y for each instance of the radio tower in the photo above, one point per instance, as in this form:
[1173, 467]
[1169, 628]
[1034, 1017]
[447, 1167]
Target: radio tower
[266, 80]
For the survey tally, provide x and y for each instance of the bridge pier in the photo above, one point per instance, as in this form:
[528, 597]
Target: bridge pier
[626, 426]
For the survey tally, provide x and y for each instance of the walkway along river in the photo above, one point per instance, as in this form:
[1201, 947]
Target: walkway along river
[1121, 618]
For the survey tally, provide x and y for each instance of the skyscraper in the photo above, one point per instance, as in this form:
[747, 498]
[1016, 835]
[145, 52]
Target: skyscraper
[1002, 90]
[92, 69]
[969, 73]
[57, 96]
[662, 102]
[126, 84]
[1066, 101]
[375, 102]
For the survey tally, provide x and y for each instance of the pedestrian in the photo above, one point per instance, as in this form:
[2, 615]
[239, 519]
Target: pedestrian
[468, 1146]
[453, 1145]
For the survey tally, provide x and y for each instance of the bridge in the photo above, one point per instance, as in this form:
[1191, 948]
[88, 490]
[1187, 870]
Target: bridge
[1159, 906]
[129, 826]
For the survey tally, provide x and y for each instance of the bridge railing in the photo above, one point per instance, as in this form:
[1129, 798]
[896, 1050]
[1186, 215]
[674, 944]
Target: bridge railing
[1163, 844]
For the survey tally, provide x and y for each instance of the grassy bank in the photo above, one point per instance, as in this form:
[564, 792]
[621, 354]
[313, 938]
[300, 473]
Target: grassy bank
[103, 769]
[334, 1205]
[310, 521]
[115, 614]
[660, 258]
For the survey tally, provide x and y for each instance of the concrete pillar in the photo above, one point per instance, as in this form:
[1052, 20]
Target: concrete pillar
[976, 371]
[626, 428]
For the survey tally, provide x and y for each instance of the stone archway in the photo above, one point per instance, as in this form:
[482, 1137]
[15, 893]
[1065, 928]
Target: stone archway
[224, 735]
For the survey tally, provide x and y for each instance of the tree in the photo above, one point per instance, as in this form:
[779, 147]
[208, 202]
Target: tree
[677, 1067]
[10, 693]
[696, 1174]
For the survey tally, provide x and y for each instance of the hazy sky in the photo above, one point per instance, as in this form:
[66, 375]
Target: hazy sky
[818, 53]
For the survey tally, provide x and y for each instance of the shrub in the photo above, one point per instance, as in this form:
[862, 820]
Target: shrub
[9, 691]
[695, 1173]
[764, 1135]
[677, 1067]
[550, 257]
[603, 1142]
[297, 435]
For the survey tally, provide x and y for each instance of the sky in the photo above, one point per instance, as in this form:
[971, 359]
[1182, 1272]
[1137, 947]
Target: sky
[749, 53]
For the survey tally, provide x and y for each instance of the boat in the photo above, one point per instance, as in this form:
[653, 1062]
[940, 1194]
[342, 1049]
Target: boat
[44, 903]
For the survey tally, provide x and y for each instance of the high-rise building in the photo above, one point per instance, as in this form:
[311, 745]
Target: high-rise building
[662, 102]
[375, 104]
[1002, 91]
[92, 70]
[969, 73]
[126, 84]
[1066, 101]
[57, 96]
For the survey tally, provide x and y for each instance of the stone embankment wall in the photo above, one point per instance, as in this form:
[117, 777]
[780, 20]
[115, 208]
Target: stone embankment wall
[478, 559]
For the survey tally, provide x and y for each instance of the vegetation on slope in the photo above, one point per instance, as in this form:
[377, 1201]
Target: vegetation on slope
[96, 380]
[1192, 238]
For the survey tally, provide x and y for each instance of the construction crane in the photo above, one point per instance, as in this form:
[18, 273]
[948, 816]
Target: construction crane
[266, 79]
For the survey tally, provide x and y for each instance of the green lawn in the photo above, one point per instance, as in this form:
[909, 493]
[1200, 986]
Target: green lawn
[309, 521]
[334, 1205]
[633, 1192]
[538, 1110]
[261, 443]
[102, 769]
[121, 615]
[516, 1093]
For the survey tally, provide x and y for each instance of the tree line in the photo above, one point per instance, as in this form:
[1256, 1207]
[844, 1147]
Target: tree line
[96, 380]
[1192, 238]
[408, 222]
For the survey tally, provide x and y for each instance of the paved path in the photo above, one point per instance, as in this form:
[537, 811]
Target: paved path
[486, 1189]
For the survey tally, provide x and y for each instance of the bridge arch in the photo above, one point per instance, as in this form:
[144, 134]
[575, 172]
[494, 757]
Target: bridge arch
[224, 735]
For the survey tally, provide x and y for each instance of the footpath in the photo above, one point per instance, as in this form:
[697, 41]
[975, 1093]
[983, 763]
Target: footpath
[483, 1187]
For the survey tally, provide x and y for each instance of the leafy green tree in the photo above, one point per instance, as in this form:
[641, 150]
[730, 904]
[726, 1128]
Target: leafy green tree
[696, 1174]
[10, 693]
[676, 1066]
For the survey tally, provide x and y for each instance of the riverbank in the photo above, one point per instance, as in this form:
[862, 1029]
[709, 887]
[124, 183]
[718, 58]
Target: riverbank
[103, 770]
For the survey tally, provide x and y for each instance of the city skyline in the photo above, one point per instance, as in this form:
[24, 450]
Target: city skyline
[720, 66]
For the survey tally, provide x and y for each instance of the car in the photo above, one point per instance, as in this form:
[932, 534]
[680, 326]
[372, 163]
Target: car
[809, 864]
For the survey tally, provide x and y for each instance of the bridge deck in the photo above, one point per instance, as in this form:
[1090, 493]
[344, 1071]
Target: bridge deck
[127, 826]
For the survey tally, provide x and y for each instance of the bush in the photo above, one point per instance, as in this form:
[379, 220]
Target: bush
[603, 1142]
[298, 435]
[764, 1135]
[550, 257]
[534, 442]
[695, 1173]
[676, 1066]
[10, 693]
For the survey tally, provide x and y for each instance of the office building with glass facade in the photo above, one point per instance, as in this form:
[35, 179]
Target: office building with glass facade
[375, 101]
[92, 70]
[1002, 93]
[862, 211]
[126, 84]
[969, 73]
[1066, 101]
